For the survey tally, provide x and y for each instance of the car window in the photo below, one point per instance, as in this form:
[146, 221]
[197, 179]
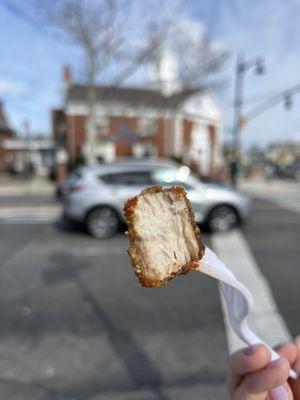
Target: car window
[171, 177]
[140, 178]
[74, 176]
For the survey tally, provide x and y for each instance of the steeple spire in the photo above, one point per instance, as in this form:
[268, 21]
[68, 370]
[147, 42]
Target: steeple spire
[163, 74]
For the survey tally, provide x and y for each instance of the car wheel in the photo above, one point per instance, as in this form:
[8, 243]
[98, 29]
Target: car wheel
[222, 218]
[102, 222]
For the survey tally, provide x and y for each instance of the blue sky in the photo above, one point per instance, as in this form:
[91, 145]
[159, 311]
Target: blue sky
[32, 57]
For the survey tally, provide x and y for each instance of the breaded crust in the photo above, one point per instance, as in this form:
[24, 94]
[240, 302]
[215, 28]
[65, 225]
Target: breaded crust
[139, 261]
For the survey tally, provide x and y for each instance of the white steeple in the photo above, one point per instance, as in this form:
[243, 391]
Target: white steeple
[163, 71]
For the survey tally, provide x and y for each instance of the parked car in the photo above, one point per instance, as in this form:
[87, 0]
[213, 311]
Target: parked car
[292, 171]
[95, 195]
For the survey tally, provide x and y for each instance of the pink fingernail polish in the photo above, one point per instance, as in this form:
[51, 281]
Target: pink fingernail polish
[275, 363]
[279, 393]
[248, 351]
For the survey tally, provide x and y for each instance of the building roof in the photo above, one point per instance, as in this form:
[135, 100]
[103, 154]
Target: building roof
[129, 95]
[23, 144]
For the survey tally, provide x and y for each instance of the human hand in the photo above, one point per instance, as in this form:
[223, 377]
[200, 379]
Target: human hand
[291, 351]
[253, 376]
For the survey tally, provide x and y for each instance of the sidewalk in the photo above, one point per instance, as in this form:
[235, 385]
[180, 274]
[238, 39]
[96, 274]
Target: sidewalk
[37, 186]
[261, 186]
[284, 193]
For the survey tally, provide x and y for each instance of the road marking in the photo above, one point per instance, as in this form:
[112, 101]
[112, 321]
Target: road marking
[289, 201]
[292, 203]
[24, 215]
[265, 320]
[95, 251]
[283, 194]
[29, 221]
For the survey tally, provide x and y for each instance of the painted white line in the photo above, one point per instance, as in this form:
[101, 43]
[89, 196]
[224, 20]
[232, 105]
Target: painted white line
[96, 251]
[283, 194]
[28, 221]
[289, 201]
[4, 211]
[265, 320]
[23, 215]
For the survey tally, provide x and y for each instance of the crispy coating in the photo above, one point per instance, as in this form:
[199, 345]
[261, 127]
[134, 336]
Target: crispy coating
[140, 261]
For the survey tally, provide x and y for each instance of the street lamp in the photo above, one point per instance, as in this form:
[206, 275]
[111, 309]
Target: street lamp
[242, 66]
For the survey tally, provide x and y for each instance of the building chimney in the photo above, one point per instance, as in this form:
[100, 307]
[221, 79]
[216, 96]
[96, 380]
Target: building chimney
[66, 80]
[67, 75]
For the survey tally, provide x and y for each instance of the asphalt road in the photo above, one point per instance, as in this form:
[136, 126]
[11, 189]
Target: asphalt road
[76, 325]
[273, 234]
[28, 200]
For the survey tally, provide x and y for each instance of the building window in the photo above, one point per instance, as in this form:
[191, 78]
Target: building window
[101, 124]
[123, 127]
[147, 126]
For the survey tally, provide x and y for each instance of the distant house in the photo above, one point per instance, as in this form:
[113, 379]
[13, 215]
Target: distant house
[283, 154]
[6, 156]
[17, 155]
[138, 122]
[36, 155]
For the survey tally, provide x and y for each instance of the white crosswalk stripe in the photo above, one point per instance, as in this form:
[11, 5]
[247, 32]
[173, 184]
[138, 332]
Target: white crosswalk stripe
[265, 319]
[25, 215]
[284, 194]
[290, 201]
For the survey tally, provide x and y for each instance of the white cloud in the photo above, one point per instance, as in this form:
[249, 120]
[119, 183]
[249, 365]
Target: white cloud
[9, 87]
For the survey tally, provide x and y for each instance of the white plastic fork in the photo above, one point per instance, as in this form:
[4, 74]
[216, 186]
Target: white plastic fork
[238, 300]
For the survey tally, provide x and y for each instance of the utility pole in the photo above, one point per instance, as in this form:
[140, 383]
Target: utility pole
[241, 67]
[27, 136]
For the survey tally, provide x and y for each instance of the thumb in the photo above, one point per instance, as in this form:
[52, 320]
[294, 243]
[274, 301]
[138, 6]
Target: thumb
[257, 385]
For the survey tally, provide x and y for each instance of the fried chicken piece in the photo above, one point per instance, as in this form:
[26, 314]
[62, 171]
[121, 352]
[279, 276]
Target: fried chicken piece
[164, 239]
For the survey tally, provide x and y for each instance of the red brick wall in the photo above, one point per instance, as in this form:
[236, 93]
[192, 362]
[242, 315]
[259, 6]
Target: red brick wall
[6, 156]
[162, 139]
[75, 135]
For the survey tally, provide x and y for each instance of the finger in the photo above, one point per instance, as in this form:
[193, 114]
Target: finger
[256, 384]
[282, 392]
[288, 351]
[245, 361]
[295, 384]
[297, 363]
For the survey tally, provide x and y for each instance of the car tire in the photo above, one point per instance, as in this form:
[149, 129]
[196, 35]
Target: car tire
[102, 222]
[222, 218]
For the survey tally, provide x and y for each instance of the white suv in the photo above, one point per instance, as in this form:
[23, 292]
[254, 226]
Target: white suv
[95, 195]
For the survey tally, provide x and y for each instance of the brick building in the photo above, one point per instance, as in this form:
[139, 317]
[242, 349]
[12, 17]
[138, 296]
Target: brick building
[141, 122]
[6, 156]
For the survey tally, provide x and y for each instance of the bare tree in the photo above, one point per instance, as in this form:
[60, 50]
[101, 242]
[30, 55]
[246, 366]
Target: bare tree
[201, 58]
[112, 41]
[100, 29]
